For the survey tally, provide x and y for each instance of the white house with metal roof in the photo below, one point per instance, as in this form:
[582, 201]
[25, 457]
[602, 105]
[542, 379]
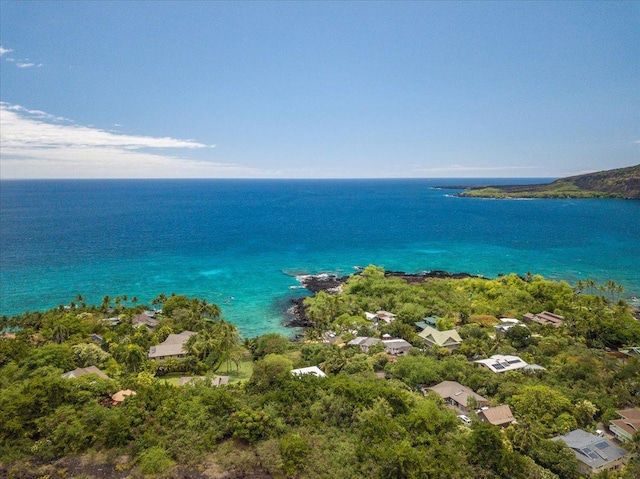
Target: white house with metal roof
[502, 363]
[315, 370]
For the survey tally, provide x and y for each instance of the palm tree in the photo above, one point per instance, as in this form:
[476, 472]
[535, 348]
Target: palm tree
[60, 331]
[133, 357]
[212, 310]
[160, 299]
[106, 303]
[633, 446]
[204, 346]
[612, 287]
[228, 339]
[80, 300]
[525, 434]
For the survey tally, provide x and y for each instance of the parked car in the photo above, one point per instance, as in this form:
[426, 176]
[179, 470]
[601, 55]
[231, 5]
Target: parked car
[464, 419]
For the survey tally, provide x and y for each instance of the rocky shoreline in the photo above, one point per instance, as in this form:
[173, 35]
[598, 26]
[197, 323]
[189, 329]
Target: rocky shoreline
[332, 283]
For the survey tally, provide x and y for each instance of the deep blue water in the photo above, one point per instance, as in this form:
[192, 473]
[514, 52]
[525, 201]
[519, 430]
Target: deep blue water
[238, 242]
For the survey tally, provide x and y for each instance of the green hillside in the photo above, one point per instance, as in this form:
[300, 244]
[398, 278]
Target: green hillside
[618, 183]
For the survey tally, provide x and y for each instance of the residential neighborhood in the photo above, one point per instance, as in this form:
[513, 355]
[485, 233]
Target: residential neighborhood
[363, 395]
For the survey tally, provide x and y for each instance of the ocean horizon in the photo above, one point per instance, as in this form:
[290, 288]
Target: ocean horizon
[241, 243]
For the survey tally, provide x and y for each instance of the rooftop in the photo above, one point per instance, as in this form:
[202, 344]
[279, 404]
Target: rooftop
[457, 392]
[499, 363]
[440, 337]
[590, 449]
[498, 416]
[315, 370]
[78, 372]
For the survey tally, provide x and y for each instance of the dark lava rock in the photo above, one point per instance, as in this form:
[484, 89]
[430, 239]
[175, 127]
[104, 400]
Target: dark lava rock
[423, 275]
[297, 315]
[322, 282]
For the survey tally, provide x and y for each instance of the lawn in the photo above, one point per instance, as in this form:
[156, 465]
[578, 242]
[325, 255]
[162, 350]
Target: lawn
[241, 373]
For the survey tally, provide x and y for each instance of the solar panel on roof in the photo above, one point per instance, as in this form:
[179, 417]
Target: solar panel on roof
[602, 445]
[498, 366]
[514, 361]
[593, 455]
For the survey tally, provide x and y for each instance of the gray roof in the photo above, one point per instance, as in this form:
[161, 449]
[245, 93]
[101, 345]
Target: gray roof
[172, 346]
[363, 341]
[392, 345]
[590, 449]
[78, 372]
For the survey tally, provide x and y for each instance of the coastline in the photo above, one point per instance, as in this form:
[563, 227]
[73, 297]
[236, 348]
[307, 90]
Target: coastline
[296, 315]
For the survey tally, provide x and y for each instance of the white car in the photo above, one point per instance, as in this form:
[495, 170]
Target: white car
[464, 419]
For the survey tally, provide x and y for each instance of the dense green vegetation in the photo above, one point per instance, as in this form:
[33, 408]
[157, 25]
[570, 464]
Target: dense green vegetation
[619, 183]
[353, 424]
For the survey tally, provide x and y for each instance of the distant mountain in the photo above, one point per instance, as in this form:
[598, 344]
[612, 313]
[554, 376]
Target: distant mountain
[618, 183]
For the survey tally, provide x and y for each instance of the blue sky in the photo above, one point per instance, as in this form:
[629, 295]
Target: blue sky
[318, 89]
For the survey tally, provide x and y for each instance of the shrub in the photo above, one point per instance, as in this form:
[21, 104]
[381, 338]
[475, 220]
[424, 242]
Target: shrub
[155, 460]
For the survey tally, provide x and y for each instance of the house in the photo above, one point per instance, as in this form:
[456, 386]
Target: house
[426, 321]
[172, 347]
[504, 327]
[509, 320]
[79, 372]
[364, 343]
[120, 396]
[449, 339]
[396, 347]
[631, 352]
[315, 370]
[385, 316]
[500, 363]
[545, 318]
[114, 321]
[459, 396]
[595, 454]
[498, 416]
[214, 381]
[624, 429]
[143, 319]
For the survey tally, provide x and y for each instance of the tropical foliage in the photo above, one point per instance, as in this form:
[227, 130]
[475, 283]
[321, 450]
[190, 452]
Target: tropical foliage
[350, 424]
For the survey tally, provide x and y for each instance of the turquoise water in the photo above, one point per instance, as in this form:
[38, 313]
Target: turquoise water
[240, 243]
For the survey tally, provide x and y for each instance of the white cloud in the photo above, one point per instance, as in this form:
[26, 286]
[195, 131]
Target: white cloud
[22, 63]
[27, 64]
[36, 144]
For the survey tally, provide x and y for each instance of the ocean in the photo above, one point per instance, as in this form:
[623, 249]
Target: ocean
[241, 243]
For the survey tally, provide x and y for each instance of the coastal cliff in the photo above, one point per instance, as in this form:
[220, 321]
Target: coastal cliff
[618, 183]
